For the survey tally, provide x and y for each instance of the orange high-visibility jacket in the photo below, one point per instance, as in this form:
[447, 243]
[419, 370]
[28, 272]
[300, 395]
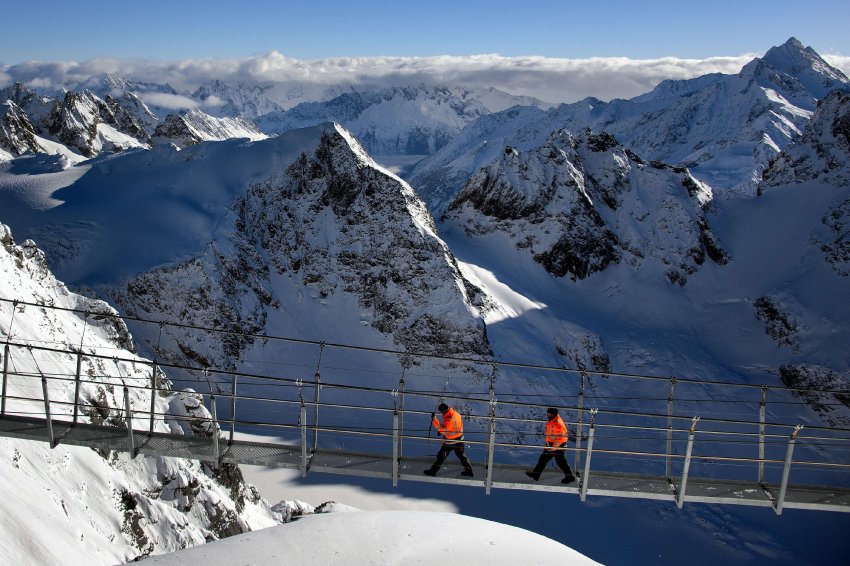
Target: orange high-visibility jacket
[452, 427]
[556, 432]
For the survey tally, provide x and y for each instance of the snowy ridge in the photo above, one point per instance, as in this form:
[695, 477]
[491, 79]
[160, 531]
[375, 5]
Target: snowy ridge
[100, 508]
[183, 130]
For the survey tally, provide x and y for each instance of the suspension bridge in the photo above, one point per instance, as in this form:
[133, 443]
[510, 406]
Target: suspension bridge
[317, 425]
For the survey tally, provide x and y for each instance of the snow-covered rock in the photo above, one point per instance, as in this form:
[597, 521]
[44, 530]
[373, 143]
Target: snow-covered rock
[183, 130]
[579, 204]
[73, 504]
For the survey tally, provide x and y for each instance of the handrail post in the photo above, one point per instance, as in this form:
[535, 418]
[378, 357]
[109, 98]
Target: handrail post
[585, 477]
[577, 465]
[5, 374]
[762, 417]
[669, 428]
[129, 417]
[48, 418]
[232, 410]
[77, 385]
[214, 417]
[680, 498]
[400, 415]
[395, 447]
[318, 376]
[780, 501]
[491, 447]
[153, 397]
[303, 420]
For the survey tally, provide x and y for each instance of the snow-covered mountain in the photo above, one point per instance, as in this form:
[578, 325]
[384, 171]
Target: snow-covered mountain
[76, 505]
[83, 124]
[225, 100]
[416, 120]
[239, 230]
[578, 204]
[725, 128]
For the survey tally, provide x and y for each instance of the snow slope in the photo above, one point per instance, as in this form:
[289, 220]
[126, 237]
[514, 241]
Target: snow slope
[348, 535]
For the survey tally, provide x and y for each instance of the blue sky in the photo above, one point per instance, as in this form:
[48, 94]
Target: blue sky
[50, 30]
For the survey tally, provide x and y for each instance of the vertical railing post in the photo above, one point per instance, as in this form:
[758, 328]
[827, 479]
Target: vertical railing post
[47, 417]
[491, 445]
[400, 415]
[77, 385]
[318, 376]
[762, 418]
[667, 472]
[577, 465]
[585, 477]
[395, 447]
[780, 501]
[303, 420]
[214, 417]
[683, 486]
[232, 410]
[129, 418]
[5, 376]
[154, 387]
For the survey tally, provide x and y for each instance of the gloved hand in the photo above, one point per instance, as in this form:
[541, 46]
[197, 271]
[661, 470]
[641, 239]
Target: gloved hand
[433, 416]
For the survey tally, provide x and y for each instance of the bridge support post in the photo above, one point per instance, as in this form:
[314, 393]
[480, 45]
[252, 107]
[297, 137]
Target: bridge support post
[129, 417]
[667, 472]
[316, 399]
[491, 445]
[780, 501]
[577, 465]
[585, 477]
[77, 386]
[762, 415]
[47, 417]
[5, 376]
[395, 447]
[232, 410]
[400, 415]
[683, 486]
[303, 420]
[153, 398]
[214, 416]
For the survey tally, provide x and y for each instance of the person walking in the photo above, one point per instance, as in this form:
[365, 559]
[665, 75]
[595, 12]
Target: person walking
[452, 431]
[556, 441]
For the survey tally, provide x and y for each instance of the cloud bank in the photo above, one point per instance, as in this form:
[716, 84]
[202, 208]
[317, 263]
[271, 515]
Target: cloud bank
[549, 79]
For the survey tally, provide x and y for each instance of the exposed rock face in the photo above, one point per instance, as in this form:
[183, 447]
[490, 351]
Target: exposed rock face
[338, 224]
[582, 203]
[822, 154]
[831, 395]
[17, 134]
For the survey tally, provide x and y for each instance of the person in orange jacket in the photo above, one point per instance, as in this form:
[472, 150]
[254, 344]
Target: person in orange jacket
[556, 441]
[452, 431]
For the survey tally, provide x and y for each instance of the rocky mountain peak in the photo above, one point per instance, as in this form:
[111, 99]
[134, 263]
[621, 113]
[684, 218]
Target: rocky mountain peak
[822, 153]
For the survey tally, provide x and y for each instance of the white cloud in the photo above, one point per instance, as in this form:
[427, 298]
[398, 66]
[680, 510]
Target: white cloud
[840, 62]
[551, 79]
[168, 101]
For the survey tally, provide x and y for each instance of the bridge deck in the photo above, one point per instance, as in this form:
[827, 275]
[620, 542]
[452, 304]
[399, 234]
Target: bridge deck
[505, 476]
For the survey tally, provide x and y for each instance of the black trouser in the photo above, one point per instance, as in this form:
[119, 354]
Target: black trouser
[560, 459]
[457, 448]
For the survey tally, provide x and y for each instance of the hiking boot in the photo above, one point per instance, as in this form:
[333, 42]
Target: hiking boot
[467, 473]
[430, 472]
[568, 479]
[533, 475]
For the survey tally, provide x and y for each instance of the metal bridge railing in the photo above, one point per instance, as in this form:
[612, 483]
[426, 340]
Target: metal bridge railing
[392, 438]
